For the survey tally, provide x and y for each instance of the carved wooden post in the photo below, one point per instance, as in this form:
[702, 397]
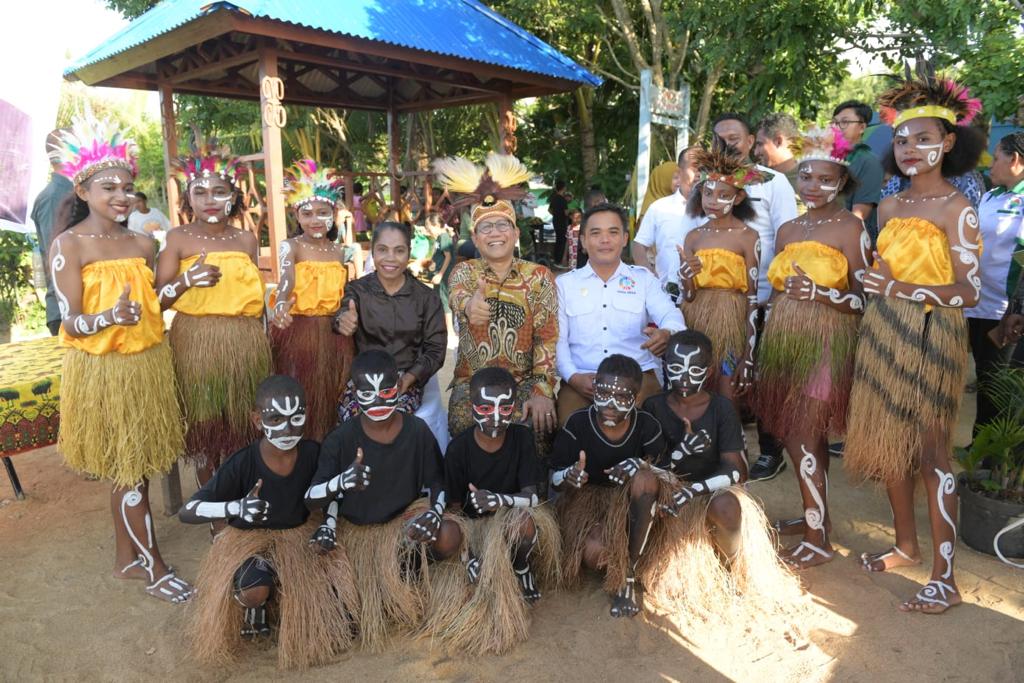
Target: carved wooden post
[273, 118]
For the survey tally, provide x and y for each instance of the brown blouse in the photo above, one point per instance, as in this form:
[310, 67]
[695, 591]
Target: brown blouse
[409, 324]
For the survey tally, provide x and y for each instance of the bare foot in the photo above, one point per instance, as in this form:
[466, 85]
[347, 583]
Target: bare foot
[794, 527]
[935, 598]
[170, 588]
[528, 585]
[135, 570]
[889, 559]
[805, 555]
[624, 603]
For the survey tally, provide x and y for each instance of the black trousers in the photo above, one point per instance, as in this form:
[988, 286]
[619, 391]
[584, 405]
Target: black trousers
[986, 359]
[560, 230]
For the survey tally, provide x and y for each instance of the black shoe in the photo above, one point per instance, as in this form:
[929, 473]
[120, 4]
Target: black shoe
[767, 467]
[835, 449]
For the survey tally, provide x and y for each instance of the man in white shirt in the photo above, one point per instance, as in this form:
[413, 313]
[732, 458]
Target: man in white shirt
[664, 226]
[774, 203]
[146, 220]
[608, 307]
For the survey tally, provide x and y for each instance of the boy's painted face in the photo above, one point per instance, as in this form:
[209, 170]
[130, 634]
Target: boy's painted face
[377, 393]
[283, 421]
[615, 398]
[493, 407]
[686, 366]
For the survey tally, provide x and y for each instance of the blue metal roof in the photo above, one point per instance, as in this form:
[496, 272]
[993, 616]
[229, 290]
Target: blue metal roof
[458, 28]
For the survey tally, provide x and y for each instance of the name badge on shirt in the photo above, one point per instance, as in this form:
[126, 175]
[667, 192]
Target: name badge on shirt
[627, 284]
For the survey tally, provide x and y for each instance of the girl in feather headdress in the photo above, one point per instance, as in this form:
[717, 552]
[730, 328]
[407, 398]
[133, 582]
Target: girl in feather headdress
[208, 274]
[912, 349]
[805, 358]
[313, 278]
[119, 412]
[719, 266]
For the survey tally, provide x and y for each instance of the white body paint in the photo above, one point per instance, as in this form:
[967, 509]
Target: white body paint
[815, 516]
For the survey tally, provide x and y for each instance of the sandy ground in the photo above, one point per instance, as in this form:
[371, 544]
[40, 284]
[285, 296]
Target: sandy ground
[63, 617]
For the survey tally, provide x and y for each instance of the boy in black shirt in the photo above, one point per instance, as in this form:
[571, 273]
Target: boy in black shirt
[259, 492]
[377, 468]
[601, 460]
[492, 473]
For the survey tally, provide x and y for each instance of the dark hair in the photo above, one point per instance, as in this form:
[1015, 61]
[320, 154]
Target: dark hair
[141, 195]
[1013, 144]
[491, 377]
[617, 365]
[373, 360]
[849, 186]
[606, 207]
[691, 338]
[731, 116]
[433, 219]
[694, 207]
[863, 111]
[401, 228]
[559, 185]
[357, 188]
[573, 212]
[778, 123]
[963, 157]
[276, 385]
[593, 197]
[70, 212]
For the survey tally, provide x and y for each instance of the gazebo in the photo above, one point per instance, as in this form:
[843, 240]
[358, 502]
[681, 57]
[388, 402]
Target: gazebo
[394, 56]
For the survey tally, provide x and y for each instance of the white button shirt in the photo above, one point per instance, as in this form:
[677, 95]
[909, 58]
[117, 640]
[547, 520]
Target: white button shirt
[775, 203]
[598, 318]
[664, 226]
[1001, 217]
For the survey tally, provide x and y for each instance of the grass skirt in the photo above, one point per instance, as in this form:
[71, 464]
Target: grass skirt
[908, 379]
[802, 338]
[314, 599]
[310, 352]
[219, 361]
[721, 314]
[397, 585]
[119, 418]
[496, 618]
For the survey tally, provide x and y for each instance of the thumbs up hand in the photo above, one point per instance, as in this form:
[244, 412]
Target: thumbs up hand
[576, 475]
[251, 509]
[477, 308]
[483, 501]
[800, 286]
[689, 264]
[348, 320]
[282, 317]
[126, 312]
[355, 478]
[201, 275]
[879, 280]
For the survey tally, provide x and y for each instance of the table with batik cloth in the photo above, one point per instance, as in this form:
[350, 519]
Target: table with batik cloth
[29, 399]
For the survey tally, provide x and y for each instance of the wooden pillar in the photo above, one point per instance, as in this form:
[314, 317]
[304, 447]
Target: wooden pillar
[394, 160]
[272, 119]
[507, 124]
[169, 128]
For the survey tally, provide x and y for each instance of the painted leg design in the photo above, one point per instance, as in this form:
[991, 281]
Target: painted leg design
[815, 548]
[641, 519]
[940, 593]
[167, 587]
[524, 573]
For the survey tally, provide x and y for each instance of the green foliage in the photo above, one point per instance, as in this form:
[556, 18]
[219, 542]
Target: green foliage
[995, 460]
[15, 272]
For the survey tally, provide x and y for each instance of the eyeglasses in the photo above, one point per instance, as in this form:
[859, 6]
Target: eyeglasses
[488, 228]
[843, 123]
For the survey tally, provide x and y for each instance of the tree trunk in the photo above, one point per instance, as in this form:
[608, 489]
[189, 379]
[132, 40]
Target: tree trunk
[588, 148]
[704, 112]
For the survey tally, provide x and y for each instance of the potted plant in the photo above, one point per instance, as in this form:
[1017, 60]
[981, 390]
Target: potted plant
[992, 485]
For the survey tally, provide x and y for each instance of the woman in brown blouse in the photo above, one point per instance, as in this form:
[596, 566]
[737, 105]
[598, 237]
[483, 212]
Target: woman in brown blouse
[392, 311]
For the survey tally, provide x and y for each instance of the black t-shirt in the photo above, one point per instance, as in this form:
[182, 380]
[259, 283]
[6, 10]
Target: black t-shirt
[400, 472]
[509, 470]
[286, 495]
[719, 421]
[581, 433]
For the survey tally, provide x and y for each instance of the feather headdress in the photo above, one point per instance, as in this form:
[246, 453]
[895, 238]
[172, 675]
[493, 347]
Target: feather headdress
[928, 95]
[91, 145]
[823, 144]
[489, 189]
[207, 158]
[727, 165]
[307, 182]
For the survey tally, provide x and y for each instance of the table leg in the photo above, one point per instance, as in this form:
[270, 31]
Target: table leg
[13, 476]
[170, 484]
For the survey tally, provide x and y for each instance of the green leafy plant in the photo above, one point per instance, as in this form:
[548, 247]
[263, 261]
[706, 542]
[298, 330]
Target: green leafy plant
[995, 460]
[14, 273]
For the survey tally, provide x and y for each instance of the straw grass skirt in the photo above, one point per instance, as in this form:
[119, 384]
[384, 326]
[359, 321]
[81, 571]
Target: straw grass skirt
[319, 359]
[721, 314]
[119, 418]
[219, 362]
[805, 356]
[314, 600]
[397, 584]
[908, 379]
[495, 618]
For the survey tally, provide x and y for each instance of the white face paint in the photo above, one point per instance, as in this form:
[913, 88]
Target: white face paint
[933, 153]
[488, 411]
[684, 373]
[903, 131]
[614, 395]
[711, 184]
[833, 192]
[286, 421]
[377, 404]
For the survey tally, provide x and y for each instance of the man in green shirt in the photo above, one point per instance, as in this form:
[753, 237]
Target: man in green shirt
[852, 118]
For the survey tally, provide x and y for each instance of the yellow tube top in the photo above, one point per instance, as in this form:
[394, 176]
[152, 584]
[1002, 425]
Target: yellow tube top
[238, 292]
[319, 286]
[102, 285]
[917, 251]
[825, 265]
[721, 269]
